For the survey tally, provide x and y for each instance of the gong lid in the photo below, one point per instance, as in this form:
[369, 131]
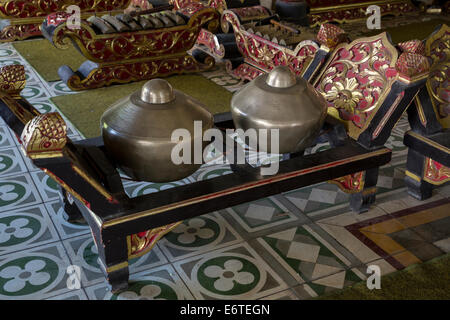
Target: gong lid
[155, 111]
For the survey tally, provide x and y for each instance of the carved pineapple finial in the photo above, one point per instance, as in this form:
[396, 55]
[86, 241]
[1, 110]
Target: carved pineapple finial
[12, 79]
[44, 136]
[331, 35]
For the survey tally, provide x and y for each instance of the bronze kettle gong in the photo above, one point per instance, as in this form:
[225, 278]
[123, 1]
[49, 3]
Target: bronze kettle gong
[137, 131]
[280, 100]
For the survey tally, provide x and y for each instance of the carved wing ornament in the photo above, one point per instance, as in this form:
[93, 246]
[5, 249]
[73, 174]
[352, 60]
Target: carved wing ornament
[36, 8]
[104, 48]
[438, 49]
[358, 77]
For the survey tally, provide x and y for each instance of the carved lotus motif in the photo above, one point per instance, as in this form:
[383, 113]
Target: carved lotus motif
[344, 96]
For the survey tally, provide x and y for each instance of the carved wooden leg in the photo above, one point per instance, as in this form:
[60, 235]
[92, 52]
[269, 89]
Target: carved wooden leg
[73, 213]
[114, 257]
[360, 202]
[415, 166]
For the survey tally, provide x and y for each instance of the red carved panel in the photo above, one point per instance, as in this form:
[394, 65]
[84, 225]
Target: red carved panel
[358, 76]
[266, 54]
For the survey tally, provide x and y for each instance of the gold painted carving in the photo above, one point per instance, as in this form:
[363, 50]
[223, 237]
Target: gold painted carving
[141, 243]
[44, 136]
[357, 79]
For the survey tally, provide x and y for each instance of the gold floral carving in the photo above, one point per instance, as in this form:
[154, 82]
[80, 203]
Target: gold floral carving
[352, 183]
[265, 54]
[437, 47]
[436, 173]
[141, 243]
[357, 78]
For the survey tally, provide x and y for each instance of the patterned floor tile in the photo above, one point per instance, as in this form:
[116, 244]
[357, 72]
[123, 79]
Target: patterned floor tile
[160, 283]
[336, 281]
[304, 291]
[135, 189]
[197, 236]
[395, 141]
[443, 190]
[305, 254]
[11, 162]
[58, 88]
[323, 196]
[443, 244]
[7, 51]
[317, 197]
[235, 272]
[17, 192]
[350, 217]
[25, 228]
[350, 242]
[6, 139]
[11, 60]
[261, 214]
[73, 295]
[83, 253]
[65, 229]
[44, 105]
[283, 295]
[34, 92]
[404, 237]
[34, 274]
[210, 171]
[48, 188]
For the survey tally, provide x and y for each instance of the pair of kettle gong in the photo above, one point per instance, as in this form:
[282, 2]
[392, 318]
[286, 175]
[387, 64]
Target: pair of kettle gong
[137, 129]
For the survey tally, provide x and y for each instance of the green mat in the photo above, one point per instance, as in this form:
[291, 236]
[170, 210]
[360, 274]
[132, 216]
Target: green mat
[84, 109]
[416, 30]
[425, 281]
[46, 59]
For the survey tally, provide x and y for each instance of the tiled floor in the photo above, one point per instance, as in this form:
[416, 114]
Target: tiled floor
[295, 245]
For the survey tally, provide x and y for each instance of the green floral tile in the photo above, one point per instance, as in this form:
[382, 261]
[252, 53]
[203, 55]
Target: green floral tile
[47, 187]
[25, 228]
[44, 106]
[83, 253]
[65, 229]
[198, 235]
[235, 272]
[17, 192]
[34, 274]
[210, 171]
[6, 139]
[11, 162]
[161, 283]
[34, 91]
[135, 189]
